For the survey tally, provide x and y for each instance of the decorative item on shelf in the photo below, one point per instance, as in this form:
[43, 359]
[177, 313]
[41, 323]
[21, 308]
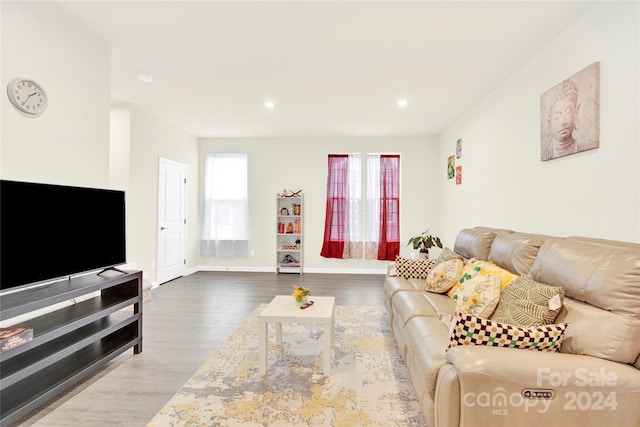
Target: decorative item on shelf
[284, 212]
[14, 336]
[423, 242]
[297, 243]
[296, 209]
[281, 228]
[290, 228]
[289, 261]
[289, 193]
[301, 294]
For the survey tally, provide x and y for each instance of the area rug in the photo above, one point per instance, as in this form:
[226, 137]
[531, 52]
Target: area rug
[368, 385]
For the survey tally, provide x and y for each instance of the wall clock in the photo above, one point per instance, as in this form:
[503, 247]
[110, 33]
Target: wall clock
[27, 96]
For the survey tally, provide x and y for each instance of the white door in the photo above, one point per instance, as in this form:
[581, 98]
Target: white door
[172, 220]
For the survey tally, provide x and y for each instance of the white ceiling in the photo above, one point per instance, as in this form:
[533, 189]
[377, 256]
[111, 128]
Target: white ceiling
[331, 67]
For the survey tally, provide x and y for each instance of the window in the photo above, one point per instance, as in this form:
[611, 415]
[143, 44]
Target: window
[349, 217]
[225, 218]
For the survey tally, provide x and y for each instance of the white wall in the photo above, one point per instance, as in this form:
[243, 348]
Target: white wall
[151, 139]
[69, 143]
[301, 163]
[119, 145]
[594, 193]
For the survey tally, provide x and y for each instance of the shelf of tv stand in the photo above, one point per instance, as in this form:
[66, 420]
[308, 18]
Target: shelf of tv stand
[68, 343]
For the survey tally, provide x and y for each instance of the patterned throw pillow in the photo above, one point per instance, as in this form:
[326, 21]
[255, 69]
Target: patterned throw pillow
[477, 267]
[527, 303]
[444, 275]
[479, 296]
[468, 329]
[413, 268]
[470, 270]
[447, 255]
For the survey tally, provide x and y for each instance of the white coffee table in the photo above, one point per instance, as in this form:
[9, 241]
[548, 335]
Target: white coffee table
[283, 308]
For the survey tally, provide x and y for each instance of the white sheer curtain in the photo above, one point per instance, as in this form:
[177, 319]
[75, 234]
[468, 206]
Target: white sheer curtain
[225, 216]
[353, 224]
[372, 222]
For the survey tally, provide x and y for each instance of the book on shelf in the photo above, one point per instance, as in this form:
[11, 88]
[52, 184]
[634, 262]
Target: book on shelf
[14, 336]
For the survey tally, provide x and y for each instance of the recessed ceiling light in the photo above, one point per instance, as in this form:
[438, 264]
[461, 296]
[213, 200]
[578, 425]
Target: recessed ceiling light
[269, 105]
[145, 77]
[215, 132]
[366, 130]
[401, 103]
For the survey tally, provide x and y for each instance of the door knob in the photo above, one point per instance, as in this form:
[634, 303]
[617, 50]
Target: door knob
[163, 228]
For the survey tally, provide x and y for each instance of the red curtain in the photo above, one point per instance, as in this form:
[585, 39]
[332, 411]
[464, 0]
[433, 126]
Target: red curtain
[336, 210]
[389, 244]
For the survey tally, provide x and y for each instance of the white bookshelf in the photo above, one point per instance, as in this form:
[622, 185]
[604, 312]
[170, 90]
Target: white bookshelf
[289, 241]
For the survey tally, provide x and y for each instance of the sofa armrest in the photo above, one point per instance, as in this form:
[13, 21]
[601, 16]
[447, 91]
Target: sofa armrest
[506, 387]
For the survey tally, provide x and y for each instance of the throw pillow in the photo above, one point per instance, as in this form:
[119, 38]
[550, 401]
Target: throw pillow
[527, 303]
[447, 255]
[479, 296]
[470, 270]
[413, 268]
[477, 267]
[444, 275]
[468, 329]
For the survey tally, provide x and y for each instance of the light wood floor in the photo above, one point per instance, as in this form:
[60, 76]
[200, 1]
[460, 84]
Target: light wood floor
[185, 321]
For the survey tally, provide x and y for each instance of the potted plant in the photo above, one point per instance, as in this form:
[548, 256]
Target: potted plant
[423, 242]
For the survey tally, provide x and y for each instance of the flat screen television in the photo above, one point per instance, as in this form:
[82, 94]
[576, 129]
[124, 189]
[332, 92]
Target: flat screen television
[48, 232]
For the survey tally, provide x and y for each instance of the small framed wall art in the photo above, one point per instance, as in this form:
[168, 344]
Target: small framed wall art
[451, 167]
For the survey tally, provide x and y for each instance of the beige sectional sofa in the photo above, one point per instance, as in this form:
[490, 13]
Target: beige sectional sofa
[594, 380]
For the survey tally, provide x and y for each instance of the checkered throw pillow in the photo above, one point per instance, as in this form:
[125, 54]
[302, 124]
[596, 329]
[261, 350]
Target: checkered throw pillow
[468, 329]
[413, 268]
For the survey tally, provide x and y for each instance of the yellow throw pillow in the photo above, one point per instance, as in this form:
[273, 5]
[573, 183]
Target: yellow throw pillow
[475, 267]
[480, 296]
[443, 276]
[470, 270]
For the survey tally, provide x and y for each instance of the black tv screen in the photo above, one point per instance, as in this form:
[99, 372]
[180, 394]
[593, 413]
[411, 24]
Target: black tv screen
[52, 231]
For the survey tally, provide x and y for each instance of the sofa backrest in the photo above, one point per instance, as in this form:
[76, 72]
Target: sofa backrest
[601, 279]
[476, 242]
[516, 252]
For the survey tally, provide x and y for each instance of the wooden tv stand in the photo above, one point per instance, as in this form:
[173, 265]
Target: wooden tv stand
[69, 342]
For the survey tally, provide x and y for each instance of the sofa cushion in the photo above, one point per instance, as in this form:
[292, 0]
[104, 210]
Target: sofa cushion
[427, 340]
[599, 333]
[527, 303]
[406, 305]
[605, 276]
[440, 303]
[413, 268]
[444, 275]
[468, 329]
[394, 284]
[479, 296]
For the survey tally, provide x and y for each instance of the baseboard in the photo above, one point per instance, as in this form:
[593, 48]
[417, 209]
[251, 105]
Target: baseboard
[246, 269]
